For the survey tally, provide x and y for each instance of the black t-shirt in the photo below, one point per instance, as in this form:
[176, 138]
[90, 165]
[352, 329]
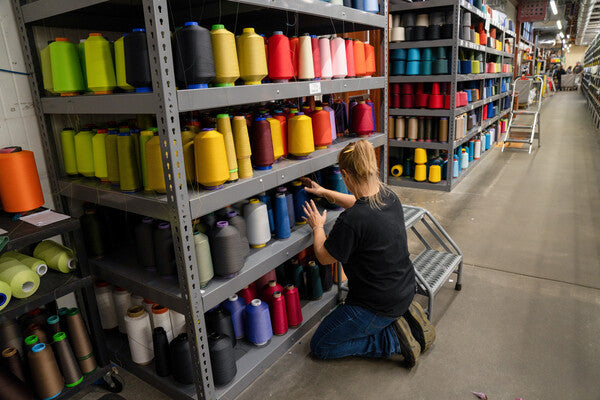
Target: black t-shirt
[371, 244]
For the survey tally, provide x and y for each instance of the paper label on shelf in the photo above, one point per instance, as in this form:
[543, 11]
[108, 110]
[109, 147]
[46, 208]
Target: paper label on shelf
[314, 88]
[44, 218]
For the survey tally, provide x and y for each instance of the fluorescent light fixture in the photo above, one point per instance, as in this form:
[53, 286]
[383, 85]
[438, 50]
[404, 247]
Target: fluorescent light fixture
[568, 36]
[562, 35]
[553, 7]
[559, 24]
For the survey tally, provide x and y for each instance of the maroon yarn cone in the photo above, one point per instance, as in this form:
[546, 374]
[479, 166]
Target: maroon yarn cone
[279, 320]
[292, 306]
[262, 144]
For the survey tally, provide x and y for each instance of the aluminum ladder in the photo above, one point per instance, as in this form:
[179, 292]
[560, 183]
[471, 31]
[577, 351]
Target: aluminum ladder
[536, 82]
[432, 267]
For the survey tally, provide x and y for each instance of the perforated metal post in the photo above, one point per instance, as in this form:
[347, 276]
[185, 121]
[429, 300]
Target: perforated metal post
[163, 76]
[453, 89]
[384, 154]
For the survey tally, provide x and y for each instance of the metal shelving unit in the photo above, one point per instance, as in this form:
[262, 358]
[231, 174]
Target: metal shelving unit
[454, 78]
[590, 84]
[181, 204]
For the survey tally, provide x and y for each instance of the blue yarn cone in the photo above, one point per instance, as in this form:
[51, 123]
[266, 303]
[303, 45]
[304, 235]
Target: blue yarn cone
[282, 222]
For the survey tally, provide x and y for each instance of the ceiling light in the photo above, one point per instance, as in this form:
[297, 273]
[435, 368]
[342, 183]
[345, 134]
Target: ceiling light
[553, 7]
[568, 36]
[562, 35]
[559, 24]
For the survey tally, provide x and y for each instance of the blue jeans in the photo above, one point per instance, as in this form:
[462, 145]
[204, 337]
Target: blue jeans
[354, 331]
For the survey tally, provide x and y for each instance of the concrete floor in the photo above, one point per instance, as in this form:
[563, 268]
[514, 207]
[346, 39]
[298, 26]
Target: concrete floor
[527, 321]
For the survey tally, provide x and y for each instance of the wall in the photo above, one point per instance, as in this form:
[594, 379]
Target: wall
[576, 54]
[18, 123]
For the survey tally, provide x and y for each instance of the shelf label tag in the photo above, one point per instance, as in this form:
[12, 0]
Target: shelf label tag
[314, 88]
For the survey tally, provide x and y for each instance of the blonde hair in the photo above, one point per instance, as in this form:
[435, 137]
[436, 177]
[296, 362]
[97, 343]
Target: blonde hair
[359, 161]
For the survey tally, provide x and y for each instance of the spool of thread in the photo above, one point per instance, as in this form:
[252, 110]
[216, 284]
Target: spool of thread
[257, 323]
[84, 151]
[248, 293]
[67, 140]
[56, 256]
[160, 345]
[370, 59]
[48, 381]
[164, 254]
[178, 323]
[443, 130]
[224, 127]
[267, 200]
[37, 266]
[227, 250]
[362, 119]
[300, 136]
[295, 275]
[46, 66]
[252, 57]
[400, 128]
[290, 204]
[257, 222]
[144, 242]
[137, 63]
[212, 170]
[350, 58]
[112, 157]
[154, 166]
[338, 58]
[222, 358]
[313, 280]
[276, 137]
[203, 258]
[325, 58]
[161, 317]
[477, 149]
[264, 280]
[187, 138]
[12, 360]
[326, 273]
[100, 71]
[435, 173]
[300, 197]
[10, 335]
[306, 69]
[129, 173]
[147, 304]
[238, 221]
[181, 360]
[271, 287]
[35, 329]
[413, 127]
[122, 302]
[193, 54]
[219, 321]
[282, 225]
[22, 280]
[99, 155]
[292, 305]
[316, 56]
[331, 120]
[321, 127]
[13, 388]
[139, 335]
[65, 69]
[145, 136]
[235, 305]
[283, 127]
[280, 65]
[106, 305]
[262, 144]
[225, 56]
[360, 59]
[242, 147]
[120, 68]
[279, 320]
[66, 360]
[294, 50]
[371, 6]
[30, 341]
[80, 341]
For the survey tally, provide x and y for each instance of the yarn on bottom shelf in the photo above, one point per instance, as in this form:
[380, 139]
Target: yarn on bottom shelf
[235, 305]
[218, 320]
[181, 360]
[222, 358]
[257, 323]
[162, 359]
[139, 335]
[48, 380]
[292, 306]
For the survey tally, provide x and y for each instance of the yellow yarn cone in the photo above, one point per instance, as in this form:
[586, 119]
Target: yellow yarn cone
[252, 57]
[300, 136]
[397, 170]
[224, 126]
[420, 156]
[22, 280]
[211, 159]
[85, 153]
[154, 166]
[112, 157]
[243, 150]
[145, 136]
[435, 174]
[129, 174]
[120, 70]
[100, 69]
[67, 141]
[56, 256]
[420, 172]
[276, 137]
[46, 69]
[225, 56]
[187, 139]
[99, 149]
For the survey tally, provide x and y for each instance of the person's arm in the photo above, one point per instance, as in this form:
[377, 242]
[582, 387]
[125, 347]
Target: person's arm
[317, 223]
[341, 199]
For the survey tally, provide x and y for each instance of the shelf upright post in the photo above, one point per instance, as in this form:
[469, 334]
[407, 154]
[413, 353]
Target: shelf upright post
[453, 90]
[384, 153]
[158, 35]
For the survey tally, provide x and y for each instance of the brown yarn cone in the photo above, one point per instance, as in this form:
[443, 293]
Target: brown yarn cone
[12, 360]
[46, 376]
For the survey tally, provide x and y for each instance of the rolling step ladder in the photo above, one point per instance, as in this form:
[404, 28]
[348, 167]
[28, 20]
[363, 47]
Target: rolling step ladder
[523, 86]
[432, 267]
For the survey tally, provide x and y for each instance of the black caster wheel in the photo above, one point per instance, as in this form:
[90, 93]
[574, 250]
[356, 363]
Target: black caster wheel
[458, 287]
[113, 381]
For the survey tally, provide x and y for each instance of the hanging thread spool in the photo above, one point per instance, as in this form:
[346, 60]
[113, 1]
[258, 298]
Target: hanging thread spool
[279, 320]
[122, 302]
[48, 381]
[66, 360]
[235, 305]
[67, 141]
[224, 127]
[100, 70]
[219, 321]
[79, 339]
[137, 63]
[276, 137]
[225, 56]
[257, 222]
[65, 69]
[139, 335]
[242, 147]
[164, 254]
[252, 57]
[22, 280]
[227, 250]
[212, 170]
[181, 360]
[144, 242]
[300, 136]
[306, 69]
[37, 266]
[257, 323]
[280, 65]
[338, 58]
[262, 144]
[161, 318]
[12, 360]
[154, 166]
[292, 305]
[280, 211]
[222, 358]
[160, 346]
[203, 258]
[106, 305]
[248, 293]
[193, 55]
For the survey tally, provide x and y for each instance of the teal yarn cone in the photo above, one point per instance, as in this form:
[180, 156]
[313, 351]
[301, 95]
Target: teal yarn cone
[313, 281]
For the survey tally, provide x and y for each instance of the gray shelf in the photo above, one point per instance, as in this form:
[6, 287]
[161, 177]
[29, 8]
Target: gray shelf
[474, 77]
[421, 44]
[41, 9]
[196, 99]
[411, 183]
[493, 120]
[261, 261]
[481, 102]
[467, 137]
[472, 166]
[122, 103]
[414, 145]
[421, 112]
[22, 234]
[471, 8]
[419, 78]
[399, 5]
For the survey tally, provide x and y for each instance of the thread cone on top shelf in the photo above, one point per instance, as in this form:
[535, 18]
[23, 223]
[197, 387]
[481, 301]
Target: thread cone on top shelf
[252, 57]
[137, 63]
[120, 68]
[360, 64]
[305, 61]
[338, 57]
[212, 169]
[193, 56]
[227, 69]
[46, 67]
[280, 66]
[100, 72]
[316, 56]
[326, 60]
[66, 77]
[350, 58]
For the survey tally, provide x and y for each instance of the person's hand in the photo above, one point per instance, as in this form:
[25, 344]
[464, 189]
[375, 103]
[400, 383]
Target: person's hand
[312, 187]
[313, 217]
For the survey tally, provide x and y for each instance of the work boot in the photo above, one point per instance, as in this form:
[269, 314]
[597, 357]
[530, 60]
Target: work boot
[422, 329]
[409, 347]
